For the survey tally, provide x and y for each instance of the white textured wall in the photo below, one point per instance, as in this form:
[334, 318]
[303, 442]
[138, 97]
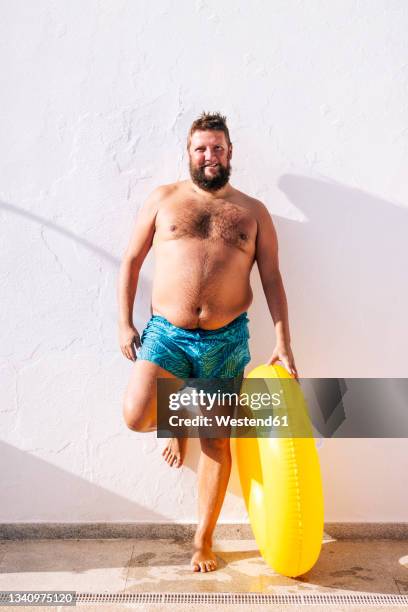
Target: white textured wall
[96, 101]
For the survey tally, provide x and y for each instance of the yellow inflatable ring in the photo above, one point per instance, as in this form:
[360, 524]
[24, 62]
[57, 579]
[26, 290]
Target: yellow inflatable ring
[282, 489]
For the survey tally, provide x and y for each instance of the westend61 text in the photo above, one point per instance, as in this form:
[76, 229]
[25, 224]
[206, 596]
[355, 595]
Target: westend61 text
[227, 421]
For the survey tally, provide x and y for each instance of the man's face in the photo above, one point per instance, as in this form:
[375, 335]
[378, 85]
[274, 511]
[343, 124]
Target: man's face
[210, 157]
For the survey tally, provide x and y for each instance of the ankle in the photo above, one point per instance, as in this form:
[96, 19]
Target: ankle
[202, 539]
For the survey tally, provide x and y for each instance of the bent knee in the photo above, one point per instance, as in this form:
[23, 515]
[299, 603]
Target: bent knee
[136, 415]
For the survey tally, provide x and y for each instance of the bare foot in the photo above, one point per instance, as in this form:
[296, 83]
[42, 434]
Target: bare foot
[174, 451]
[203, 560]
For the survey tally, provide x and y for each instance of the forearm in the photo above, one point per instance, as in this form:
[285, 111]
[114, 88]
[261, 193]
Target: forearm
[127, 286]
[278, 307]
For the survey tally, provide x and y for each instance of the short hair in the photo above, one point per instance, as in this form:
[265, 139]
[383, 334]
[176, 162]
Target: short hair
[209, 121]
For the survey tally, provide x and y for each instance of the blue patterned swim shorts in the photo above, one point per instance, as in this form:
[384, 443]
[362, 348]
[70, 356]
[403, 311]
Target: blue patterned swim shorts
[197, 353]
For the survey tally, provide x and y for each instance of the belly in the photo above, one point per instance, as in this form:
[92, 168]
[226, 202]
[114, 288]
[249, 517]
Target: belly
[197, 284]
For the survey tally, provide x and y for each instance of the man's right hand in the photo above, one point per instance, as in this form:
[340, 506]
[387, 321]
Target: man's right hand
[128, 338]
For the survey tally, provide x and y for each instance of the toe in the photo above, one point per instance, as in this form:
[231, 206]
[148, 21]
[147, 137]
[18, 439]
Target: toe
[196, 567]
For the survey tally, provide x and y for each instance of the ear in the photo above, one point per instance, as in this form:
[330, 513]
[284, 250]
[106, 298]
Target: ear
[230, 151]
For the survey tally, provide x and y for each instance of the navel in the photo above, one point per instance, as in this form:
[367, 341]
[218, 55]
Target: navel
[243, 236]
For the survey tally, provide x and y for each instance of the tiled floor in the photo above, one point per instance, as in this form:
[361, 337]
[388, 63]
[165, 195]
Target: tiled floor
[130, 566]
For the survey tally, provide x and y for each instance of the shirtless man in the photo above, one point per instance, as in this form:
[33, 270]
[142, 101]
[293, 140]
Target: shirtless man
[206, 237]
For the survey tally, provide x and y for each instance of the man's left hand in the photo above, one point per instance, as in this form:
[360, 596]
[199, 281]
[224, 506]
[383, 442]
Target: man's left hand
[283, 353]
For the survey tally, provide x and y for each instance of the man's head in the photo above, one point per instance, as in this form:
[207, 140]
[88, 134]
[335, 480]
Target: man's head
[210, 150]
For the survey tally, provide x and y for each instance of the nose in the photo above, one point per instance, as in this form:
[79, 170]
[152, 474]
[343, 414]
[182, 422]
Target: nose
[210, 155]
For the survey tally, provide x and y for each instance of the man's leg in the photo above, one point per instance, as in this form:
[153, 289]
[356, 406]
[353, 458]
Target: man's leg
[140, 406]
[214, 470]
[213, 475]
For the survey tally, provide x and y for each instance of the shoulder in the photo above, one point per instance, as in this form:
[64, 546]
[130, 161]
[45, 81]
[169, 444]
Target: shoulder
[162, 191]
[257, 208]
[158, 196]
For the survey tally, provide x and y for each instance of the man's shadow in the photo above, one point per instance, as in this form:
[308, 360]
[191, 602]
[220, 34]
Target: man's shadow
[344, 270]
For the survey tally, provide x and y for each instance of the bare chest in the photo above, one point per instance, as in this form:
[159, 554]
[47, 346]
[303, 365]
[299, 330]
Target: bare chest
[227, 222]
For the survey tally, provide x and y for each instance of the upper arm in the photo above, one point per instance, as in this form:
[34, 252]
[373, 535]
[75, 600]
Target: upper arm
[266, 246]
[143, 231]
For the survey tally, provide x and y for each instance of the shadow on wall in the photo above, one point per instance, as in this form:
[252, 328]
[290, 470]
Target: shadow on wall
[344, 270]
[114, 261]
[29, 477]
[144, 284]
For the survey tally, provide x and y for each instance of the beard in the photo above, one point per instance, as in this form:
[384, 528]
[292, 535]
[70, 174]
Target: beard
[212, 183]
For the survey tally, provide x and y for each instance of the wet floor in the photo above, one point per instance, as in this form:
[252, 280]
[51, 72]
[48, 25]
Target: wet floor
[162, 566]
